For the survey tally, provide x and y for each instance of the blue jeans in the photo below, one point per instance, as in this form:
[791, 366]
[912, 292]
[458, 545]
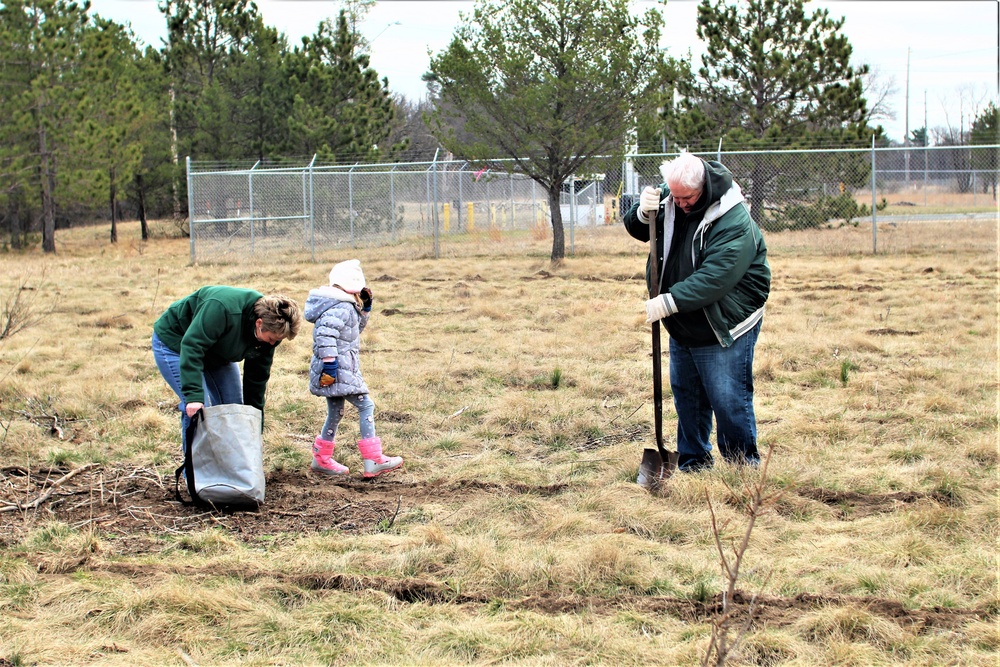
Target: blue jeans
[221, 385]
[714, 380]
[335, 411]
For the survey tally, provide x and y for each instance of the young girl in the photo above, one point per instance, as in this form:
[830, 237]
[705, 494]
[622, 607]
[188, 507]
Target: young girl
[340, 313]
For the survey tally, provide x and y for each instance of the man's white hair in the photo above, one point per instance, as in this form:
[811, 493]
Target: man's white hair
[686, 170]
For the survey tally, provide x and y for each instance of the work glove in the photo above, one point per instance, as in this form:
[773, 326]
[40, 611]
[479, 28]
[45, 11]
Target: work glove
[656, 309]
[329, 373]
[366, 300]
[649, 200]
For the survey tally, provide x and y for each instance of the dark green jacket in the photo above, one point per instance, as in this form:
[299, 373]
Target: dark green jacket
[212, 327]
[731, 278]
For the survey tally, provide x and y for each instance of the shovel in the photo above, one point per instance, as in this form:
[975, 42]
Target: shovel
[657, 464]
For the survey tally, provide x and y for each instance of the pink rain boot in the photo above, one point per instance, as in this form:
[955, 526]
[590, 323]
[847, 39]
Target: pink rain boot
[323, 459]
[375, 462]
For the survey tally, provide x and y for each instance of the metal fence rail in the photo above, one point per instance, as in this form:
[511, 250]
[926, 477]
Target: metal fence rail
[426, 209]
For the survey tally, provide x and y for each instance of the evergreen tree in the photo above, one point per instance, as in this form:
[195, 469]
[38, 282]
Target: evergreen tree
[550, 84]
[341, 110]
[150, 189]
[40, 56]
[110, 134]
[261, 99]
[772, 76]
[206, 37]
[918, 137]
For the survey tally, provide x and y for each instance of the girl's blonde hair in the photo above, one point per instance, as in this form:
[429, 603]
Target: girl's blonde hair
[280, 315]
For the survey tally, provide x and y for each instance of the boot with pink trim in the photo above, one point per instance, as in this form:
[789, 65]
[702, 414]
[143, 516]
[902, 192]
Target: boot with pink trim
[375, 462]
[323, 462]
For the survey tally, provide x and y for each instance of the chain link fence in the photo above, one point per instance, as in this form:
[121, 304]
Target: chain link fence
[817, 200]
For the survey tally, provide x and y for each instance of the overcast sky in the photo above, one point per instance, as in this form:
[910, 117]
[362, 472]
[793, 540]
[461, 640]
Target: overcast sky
[954, 45]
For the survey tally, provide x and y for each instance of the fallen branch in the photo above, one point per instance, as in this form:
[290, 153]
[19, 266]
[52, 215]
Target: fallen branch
[12, 507]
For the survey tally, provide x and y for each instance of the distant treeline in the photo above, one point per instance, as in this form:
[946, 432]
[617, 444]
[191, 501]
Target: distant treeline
[92, 126]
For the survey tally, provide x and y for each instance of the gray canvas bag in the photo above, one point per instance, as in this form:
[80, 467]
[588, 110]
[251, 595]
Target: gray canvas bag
[223, 458]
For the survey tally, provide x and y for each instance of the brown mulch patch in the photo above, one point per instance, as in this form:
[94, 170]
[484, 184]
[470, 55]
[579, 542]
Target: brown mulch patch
[854, 505]
[767, 611]
[139, 501]
[136, 501]
[139, 504]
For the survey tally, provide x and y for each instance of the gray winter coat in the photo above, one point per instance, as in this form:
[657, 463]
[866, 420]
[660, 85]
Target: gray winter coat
[337, 333]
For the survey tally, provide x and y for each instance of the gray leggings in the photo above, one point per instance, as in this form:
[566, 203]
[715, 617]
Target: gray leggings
[335, 412]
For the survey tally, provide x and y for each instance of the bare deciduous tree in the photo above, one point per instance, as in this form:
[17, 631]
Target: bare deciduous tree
[754, 499]
[22, 309]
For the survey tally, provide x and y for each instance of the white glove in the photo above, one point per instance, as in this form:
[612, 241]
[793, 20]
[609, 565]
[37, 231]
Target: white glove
[656, 309]
[649, 200]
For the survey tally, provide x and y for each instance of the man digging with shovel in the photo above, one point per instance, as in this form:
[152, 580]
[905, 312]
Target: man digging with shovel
[708, 280]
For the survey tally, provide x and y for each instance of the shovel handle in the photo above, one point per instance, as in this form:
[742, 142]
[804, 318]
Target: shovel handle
[654, 291]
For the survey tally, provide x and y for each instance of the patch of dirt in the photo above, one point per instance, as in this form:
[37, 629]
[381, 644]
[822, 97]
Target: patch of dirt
[626, 277]
[629, 433]
[835, 287]
[768, 611]
[136, 501]
[891, 332]
[853, 505]
[774, 612]
[139, 504]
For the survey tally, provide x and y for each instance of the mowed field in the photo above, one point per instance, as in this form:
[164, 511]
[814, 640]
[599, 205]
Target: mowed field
[520, 395]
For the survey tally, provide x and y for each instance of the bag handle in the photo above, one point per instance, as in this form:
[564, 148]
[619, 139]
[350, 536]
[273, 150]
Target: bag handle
[187, 468]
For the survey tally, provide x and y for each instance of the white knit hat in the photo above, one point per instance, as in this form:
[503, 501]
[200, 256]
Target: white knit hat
[348, 276]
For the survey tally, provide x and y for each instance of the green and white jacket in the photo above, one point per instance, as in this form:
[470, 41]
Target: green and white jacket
[731, 278]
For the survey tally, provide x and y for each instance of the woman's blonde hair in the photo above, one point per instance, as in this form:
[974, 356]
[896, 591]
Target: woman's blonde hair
[280, 315]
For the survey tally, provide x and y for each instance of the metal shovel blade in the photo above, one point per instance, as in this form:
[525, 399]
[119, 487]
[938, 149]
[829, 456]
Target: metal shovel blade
[653, 470]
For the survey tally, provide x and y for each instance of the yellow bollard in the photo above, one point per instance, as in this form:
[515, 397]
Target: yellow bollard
[472, 216]
[447, 216]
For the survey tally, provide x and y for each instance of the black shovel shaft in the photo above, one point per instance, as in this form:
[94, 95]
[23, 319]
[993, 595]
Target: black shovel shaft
[654, 291]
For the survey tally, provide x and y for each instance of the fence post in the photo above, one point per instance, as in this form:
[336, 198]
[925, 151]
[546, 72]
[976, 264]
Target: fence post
[572, 214]
[392, 200]
[874, 221]
[490, 213]
[190, 189]
[434, 205]
[513, 223]
[252, 215]
[312, 211]
[926, 144]
[458, 209]
[305, 205]
[350, 200]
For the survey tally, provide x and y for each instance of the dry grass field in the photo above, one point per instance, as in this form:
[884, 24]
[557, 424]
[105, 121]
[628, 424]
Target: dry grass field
[520, 395]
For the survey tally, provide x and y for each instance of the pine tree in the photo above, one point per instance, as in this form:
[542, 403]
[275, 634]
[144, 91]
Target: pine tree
[341, 110]
[110, 134]
[40, 74]
[551, 85]
[772, 76]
